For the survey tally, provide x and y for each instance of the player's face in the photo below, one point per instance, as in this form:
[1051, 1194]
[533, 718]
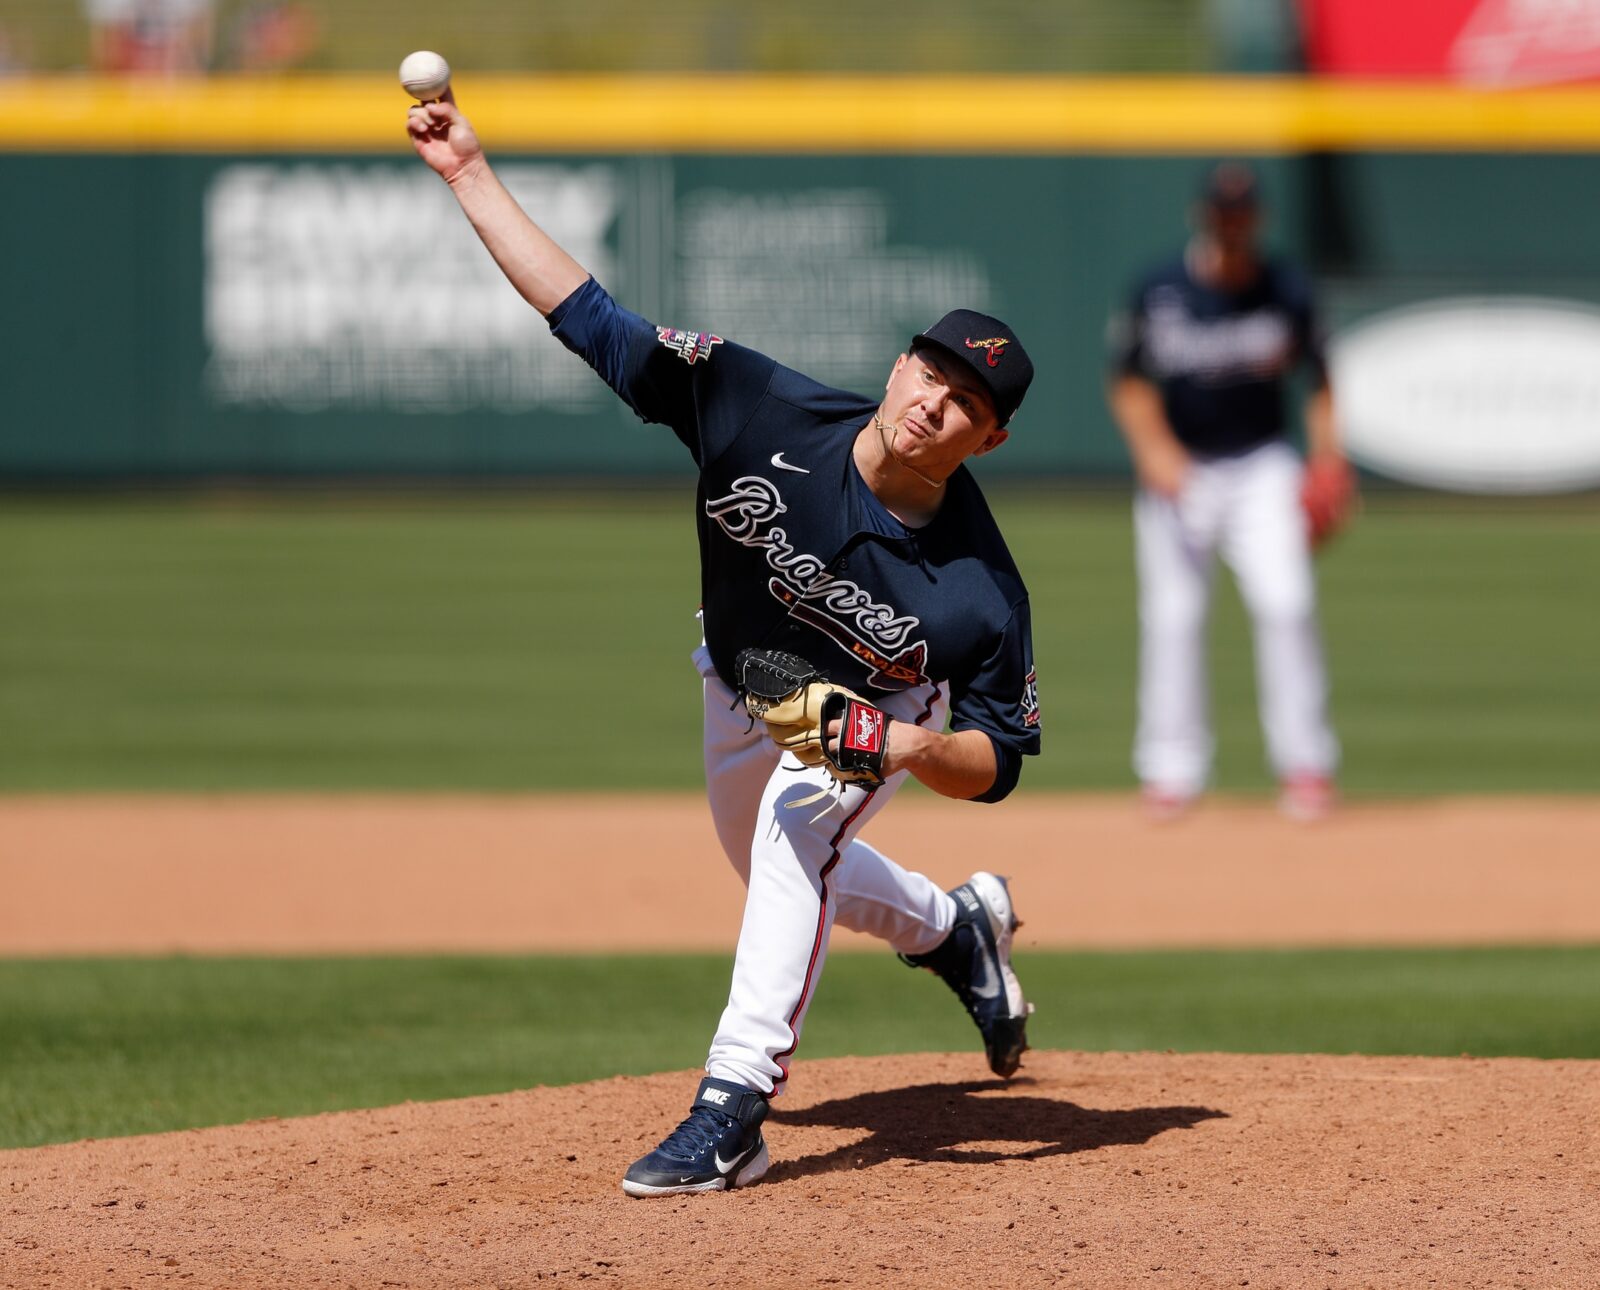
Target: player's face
[1233, 229]
[940, 415]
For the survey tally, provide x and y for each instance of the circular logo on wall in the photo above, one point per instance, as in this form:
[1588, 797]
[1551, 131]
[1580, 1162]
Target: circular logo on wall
[1474, 394]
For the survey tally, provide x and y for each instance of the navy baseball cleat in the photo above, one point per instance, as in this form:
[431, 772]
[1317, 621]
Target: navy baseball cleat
[717, 1148]
[975, 962]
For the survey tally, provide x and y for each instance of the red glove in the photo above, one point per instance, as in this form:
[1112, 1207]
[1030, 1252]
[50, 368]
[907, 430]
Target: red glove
[1327, 493]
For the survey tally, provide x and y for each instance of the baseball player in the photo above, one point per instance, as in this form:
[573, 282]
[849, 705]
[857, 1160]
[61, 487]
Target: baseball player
[841, 535]
[1200, 362]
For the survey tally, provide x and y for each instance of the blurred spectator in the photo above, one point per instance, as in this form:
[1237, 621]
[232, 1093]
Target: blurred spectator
[1249, 36]
[13, 60]
[272, 36]
[150, 37]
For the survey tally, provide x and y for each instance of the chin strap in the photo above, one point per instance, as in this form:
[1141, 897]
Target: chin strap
[887, 443]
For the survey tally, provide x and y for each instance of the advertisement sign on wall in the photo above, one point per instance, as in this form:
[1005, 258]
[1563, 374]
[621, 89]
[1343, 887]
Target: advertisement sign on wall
[1478, 395]
[360, 286]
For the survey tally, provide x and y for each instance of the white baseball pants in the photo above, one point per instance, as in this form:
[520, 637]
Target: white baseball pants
[1246, 508]
[804, 869]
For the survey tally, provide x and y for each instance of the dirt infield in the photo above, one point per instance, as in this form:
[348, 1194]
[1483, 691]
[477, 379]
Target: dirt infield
[87, 875]
[1093, 1170]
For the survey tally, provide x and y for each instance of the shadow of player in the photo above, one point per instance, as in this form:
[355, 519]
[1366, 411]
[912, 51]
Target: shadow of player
[930, 1123]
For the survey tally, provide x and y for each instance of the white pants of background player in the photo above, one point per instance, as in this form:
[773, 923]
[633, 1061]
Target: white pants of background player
[803, 873]
[1246, 508]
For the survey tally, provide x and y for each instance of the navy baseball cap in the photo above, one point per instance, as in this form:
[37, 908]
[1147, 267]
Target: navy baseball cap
[990, 350]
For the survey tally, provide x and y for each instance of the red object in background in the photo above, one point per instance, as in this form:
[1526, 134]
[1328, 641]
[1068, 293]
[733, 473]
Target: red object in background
[1486, 42]
[1381, 37]
[274, 36]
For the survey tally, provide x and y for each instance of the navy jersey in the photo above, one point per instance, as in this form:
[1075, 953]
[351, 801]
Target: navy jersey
[795, 551]
[1220, 358]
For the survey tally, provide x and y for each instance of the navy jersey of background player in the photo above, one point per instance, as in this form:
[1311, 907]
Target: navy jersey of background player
[1220, 357]
[795, 551]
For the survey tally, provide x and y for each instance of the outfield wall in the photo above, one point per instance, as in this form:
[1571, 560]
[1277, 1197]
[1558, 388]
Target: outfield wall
[194, 296]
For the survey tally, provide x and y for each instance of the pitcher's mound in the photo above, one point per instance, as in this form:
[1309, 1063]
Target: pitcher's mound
[1089, 1169]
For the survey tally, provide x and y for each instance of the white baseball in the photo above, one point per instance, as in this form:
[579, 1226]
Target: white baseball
[425, 75]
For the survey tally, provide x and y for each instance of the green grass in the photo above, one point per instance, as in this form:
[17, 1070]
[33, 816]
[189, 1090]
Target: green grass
[540, 642]
[106, 1047]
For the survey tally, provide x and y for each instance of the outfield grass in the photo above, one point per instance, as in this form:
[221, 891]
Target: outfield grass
[541, 642]
[107, 1047]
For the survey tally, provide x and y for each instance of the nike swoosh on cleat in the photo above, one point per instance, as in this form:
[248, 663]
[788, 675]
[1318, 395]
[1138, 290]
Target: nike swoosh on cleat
[781, 464]
[987, 983]
[723, 1166]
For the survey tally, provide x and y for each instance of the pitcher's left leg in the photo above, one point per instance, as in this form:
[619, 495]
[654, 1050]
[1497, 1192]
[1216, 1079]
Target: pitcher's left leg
[788, 915]
[1265, 544]
[789, 910]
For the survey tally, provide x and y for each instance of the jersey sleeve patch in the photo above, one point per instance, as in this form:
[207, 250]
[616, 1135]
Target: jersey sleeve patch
[1030, 699]
[690, 346]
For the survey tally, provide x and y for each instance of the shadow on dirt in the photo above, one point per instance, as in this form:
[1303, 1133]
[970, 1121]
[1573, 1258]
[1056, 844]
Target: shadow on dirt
[930, 1123]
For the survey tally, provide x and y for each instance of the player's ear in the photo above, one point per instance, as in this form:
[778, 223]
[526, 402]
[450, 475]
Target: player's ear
[894, 371]
[996, 437]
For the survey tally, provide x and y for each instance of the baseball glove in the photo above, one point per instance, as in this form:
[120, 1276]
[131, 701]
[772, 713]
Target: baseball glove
[798, 703]
[1327, 494]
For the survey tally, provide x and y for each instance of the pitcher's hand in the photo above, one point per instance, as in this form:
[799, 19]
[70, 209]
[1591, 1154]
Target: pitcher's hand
[444, 138]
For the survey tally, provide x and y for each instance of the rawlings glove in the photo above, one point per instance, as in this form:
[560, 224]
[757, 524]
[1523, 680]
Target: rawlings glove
[1327, 493]
[797, 704]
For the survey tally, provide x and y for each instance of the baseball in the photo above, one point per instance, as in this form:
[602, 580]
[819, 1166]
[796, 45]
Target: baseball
[425, 75]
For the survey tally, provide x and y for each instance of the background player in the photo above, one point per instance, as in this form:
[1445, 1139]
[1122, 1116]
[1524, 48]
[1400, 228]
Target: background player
[1201, 359]
[846, 531]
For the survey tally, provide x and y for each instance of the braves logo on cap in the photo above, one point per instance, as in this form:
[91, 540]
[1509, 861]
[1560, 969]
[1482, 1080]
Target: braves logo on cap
[996, 345]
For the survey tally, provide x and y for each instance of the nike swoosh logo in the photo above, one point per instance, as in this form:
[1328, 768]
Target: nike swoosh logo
[781, 464]
[987, 983]
[724, 1165]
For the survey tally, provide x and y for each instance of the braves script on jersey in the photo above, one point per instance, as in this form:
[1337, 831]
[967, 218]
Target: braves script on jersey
[1220, 358]
[797, 554]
